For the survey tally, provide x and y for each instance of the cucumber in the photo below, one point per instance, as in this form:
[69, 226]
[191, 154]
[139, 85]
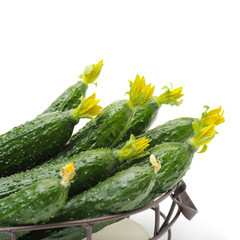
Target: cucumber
[91, 167]
[41, 138]
[120, 193]
[177, 130]
[146, 113]
[175, 160]
[70, 98]
[111, 125]
[36, 203]
[180, 129]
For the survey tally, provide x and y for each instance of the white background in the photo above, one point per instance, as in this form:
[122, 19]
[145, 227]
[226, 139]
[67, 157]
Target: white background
[45, 45]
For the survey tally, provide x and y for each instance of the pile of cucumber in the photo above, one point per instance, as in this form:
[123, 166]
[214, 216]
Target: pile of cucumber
[111, 165]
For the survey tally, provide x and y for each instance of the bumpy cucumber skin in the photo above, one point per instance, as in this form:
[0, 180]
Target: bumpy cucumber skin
[122, 192]
[91, 167]
[175, 161]
[69, 99]
[110, 126]
[144, 116]
[174, 130]
[34, 141]
[177, 130]
[33, 204]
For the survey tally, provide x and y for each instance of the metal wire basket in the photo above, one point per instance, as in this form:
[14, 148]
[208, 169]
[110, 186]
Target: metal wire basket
[180, 199]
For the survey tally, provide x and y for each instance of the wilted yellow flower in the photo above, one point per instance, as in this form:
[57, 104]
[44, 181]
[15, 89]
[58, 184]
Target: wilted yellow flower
[170, 97]
[176, 93]
[203, 135]
[133, 147]
[141, 144]
[67, 173]
[156, 164]
[92, 72]
[213, 117]
[88, 108]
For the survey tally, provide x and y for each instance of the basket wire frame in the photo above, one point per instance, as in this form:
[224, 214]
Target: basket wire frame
[179, 198]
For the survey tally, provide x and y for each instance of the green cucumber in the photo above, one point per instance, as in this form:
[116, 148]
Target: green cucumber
[122, 192]
[37, 140]
[33, 204]
[36, 203]
[111, 125]
[180, 129]
[70, 98]
[146, 114]
[91, 167]
[175, 160]
[176, 130]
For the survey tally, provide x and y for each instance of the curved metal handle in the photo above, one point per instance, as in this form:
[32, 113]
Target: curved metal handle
[185, 206]
[184, 202]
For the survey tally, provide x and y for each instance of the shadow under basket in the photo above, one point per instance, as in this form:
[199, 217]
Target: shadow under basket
[180, 199]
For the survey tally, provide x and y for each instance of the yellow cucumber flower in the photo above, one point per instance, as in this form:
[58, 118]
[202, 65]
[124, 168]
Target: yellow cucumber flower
[170, 96]
[141, 144]
[134, 148]
[206, 135]
[214, 116]
[139, 91]
[67, 173]
[203, 136]
[156, 164]
[88, 108]
[176, 93]
[92, 72]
